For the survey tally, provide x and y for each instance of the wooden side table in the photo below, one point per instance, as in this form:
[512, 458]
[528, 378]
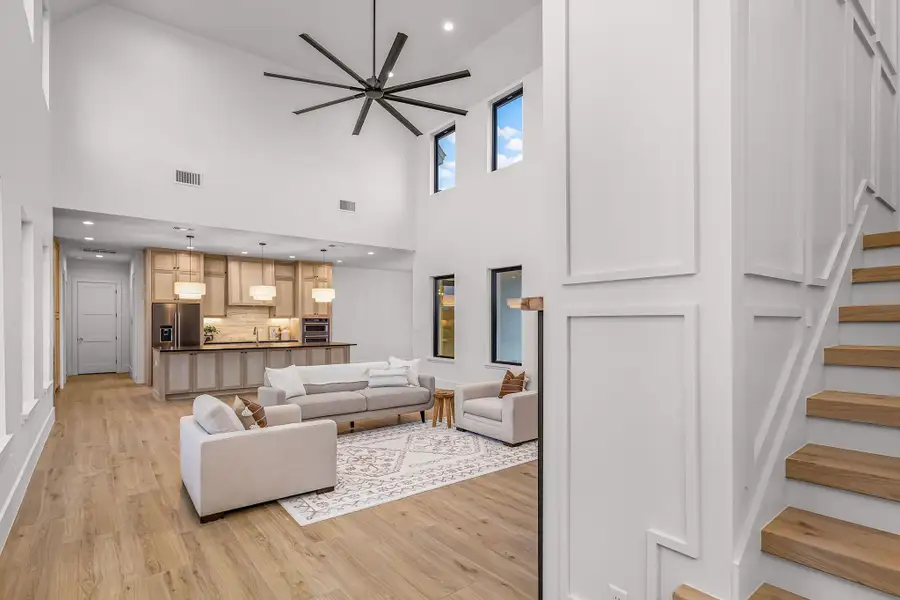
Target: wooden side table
[443, 402]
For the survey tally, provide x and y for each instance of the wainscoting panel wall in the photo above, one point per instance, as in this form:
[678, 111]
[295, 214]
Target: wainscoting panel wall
[641, 190]
[862, 72]
[774, 129]
[886, 139]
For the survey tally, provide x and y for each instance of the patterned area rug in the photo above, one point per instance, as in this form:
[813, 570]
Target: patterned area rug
[382, 465]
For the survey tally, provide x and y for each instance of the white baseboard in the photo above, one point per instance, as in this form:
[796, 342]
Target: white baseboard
[17, 494]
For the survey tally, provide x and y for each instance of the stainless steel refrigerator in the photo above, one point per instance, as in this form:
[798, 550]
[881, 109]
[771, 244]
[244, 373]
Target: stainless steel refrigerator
[176, 325]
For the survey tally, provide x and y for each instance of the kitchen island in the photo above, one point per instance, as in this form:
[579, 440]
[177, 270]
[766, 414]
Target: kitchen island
[233, 368]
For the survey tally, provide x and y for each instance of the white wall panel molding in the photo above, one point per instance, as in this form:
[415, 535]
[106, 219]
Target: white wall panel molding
[864, 14]
[775, 131]
[631, 207]
[748, 531]
[795, 317]
[885, 139]
[861, 104]
[886, 58]
[675, 354]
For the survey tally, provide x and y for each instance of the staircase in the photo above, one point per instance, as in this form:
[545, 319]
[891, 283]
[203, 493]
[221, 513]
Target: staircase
[840, 548]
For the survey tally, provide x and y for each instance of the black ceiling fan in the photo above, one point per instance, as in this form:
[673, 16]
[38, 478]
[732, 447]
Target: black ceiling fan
[373, 89]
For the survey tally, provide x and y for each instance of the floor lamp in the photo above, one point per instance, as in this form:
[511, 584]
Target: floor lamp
[536, 304]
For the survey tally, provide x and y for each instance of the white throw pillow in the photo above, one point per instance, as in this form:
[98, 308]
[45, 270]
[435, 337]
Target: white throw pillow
[388, 377]
[288, 380]
[214, 416]
[413, 374]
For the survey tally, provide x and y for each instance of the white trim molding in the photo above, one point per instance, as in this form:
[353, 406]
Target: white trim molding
[656, 539]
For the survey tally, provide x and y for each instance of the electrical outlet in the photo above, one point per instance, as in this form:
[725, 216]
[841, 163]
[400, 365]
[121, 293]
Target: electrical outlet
[617, 593]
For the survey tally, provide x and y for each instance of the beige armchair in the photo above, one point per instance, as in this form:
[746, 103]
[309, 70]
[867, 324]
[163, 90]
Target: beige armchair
[512, 419]
[232, 470]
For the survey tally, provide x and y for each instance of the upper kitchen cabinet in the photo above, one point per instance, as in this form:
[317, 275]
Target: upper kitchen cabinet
[215, 300]
[243, 273]
[285, 291]
[167, 267]
[192, 262]
[313, 275]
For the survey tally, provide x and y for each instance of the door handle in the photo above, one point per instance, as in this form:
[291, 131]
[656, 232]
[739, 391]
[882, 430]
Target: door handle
[80, 340]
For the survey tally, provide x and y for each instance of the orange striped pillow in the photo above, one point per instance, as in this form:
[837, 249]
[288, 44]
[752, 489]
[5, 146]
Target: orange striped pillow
[251, 414]
[512, 384]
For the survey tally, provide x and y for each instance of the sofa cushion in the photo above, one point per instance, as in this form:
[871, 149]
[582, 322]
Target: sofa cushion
[489, 408]
[327, 388]
[412, 374]
[214, 416]
[287, 379]
[316, 406]
[341, 373]
[512, 383]
[251, 414]
[392, 397]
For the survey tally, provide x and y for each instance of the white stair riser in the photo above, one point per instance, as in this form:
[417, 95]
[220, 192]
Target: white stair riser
[855, 436]
[870, 334]
[810, 583]
[882, 257]
[876, 293]
[847, 506]
[865, 380]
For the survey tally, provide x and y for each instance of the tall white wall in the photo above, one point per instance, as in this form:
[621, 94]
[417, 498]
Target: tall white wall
[372, 310]
[24, 193]
[134, 100]
[638, 382]
[816, 135]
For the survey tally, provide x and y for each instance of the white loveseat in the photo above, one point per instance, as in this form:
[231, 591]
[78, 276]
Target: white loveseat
[340, 393]
[225, 471]
[512, 419]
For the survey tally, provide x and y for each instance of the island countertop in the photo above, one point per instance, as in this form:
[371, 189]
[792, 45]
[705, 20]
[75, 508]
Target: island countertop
[253, 346]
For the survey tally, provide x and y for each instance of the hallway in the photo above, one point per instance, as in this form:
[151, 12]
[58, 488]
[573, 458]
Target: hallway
[106, 517]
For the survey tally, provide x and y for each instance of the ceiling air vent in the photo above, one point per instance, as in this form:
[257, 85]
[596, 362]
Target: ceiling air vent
[98, 251]
[348, 206]
[188, 178]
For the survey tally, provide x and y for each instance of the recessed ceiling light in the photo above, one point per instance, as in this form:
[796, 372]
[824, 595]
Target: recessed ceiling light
[88, 239]
[340, 261]
[243, 253]
[88, 222]
[371, 253]
[99, 256]
[448, 26]
[189, 248]
[177, 228]
[391, 74]
[292, 256]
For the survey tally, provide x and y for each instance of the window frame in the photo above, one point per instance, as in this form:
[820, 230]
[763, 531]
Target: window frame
[495, 106]
[436, 316]
[435, 186]
[494, 273]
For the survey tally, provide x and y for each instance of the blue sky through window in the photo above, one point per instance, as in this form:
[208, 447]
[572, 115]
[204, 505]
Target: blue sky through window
[446, 161]
[509, 142]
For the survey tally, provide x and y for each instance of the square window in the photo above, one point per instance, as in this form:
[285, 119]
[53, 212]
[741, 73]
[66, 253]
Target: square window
[444, 316]
[509, 143]
[506, 320]
[445, 159]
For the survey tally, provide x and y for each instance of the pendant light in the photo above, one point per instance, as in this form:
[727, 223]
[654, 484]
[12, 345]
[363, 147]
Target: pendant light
[322, 294]
[263, 293]
[190, 290]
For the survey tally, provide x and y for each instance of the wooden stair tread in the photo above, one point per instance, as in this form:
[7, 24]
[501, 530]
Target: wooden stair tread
[686, 592]
[866, 556]
[887, 239]
[876, 274]
[860, 472]
[864, 356]
[770, 592]
[874, 409]
[876, 313]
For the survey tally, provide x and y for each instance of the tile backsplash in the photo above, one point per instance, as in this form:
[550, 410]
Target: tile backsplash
[239, 322]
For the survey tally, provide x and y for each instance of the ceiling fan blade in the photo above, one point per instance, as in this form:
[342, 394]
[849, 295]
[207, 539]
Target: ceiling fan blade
[314, 81]
[423, 104]
[309, 40]
[326, 104]
[426, 82]
[363, 113]
[392, 57]
[396, 114]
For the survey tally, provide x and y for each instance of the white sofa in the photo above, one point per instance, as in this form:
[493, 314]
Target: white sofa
[340, 393]
[232, 470]
[512, 419]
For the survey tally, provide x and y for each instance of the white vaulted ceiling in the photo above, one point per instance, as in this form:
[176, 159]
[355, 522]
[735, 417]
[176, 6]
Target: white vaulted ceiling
[270, 28]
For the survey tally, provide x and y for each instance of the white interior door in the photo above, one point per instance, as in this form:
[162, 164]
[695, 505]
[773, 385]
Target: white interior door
[97, 327]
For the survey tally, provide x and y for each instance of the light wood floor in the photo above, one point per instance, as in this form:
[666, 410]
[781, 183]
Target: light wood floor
[106, 517]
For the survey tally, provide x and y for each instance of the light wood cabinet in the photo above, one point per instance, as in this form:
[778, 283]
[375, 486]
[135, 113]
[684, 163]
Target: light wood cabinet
[169, 267]
[254, 368]
[284, 299]
[314, 275]
[284, 270]
[214, 302]
[318, 356]
[163, 261]
[214, 265]
[245, 273]
[300, 357]
[178, 373]
[189, 261]
[231, 368]
[206, 372]
[338, 355]
[163, 283]
[278, 359]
